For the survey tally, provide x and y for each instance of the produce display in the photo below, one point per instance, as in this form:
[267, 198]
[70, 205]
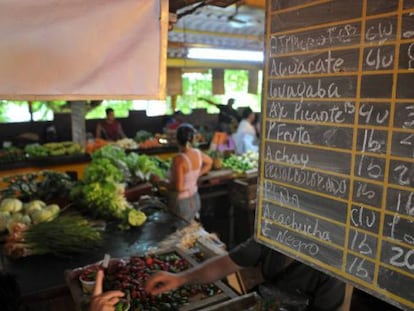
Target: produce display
[61, 236]
[143, 166]
[11, 154]
[142, 136]
[44, 185]
[130, 277]
[147, 140]
[241, 163]
[96, 144]
[13, 211]
[135, 168]
[126, 143]
[149, 143]
[102, 189]
[53, 149]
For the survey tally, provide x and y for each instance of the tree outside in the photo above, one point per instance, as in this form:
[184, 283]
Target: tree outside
[195, 86]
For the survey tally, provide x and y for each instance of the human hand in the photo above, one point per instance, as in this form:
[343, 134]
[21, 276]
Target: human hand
[163, 282]
[103, 301]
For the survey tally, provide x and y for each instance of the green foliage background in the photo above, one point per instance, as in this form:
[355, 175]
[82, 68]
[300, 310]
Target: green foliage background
[195, 85]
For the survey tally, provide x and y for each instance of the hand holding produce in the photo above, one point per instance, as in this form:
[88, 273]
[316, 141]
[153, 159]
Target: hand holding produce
[132, 275]
[163, 282]
[101, 301]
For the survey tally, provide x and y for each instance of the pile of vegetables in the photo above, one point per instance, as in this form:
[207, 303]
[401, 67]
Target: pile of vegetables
[242, 163]
[13, 211]
[101, 190]
[142, 136]
[53, 149]
[126, 143]
[43, 185]
[131, 276]
[36, 150]
[143, 166]
[64, 235]
[150, 143]
[11, 154]
[92, 146]
[103, 186]
[134, 168]
[147, 140]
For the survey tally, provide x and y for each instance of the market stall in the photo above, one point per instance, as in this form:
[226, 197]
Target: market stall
[41, 276]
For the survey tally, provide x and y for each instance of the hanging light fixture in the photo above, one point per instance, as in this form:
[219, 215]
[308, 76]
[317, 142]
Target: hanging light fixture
[225, 54]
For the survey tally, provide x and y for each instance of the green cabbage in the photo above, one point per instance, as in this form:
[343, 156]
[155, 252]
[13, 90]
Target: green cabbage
[11, 205]
[53, 208]
[33, 206]
[43, 215]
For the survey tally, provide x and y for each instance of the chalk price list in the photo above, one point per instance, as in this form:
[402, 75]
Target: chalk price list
[337, 157]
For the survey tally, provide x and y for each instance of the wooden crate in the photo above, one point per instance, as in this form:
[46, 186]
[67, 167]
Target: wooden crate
[82, 300]
[133, 194]
[243, 193]
[248, 302]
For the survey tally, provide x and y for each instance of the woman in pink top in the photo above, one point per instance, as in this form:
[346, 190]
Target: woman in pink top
[187, 166]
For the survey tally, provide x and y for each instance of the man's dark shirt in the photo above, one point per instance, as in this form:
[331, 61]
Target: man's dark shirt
[326, 293]
[227, 114]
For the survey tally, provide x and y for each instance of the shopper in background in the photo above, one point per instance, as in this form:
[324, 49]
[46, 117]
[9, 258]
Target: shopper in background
[110, 128]
[245, 137]
[228, 118]
[186, 167]
[308, 288]
[174, 121]
[257, 124]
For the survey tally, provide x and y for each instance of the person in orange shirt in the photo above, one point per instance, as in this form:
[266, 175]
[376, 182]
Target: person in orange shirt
[186, 167]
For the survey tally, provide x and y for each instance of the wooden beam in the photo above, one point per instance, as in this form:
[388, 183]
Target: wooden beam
[256, 3]
[190, 63]
[219, 34]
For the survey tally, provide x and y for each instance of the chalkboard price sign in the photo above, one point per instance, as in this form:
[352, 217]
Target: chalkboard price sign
[336, 179]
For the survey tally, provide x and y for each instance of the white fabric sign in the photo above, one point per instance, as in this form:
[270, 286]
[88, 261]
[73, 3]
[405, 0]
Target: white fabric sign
[77, 49]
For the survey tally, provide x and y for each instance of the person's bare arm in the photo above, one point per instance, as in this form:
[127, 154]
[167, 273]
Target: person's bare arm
[208, 101]
[210, 271]
[206, 165]
[176, 183]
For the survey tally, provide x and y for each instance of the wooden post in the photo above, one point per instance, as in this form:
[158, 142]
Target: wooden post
[253, 81]
[218, 81]
[174, 81]
[78, 122]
